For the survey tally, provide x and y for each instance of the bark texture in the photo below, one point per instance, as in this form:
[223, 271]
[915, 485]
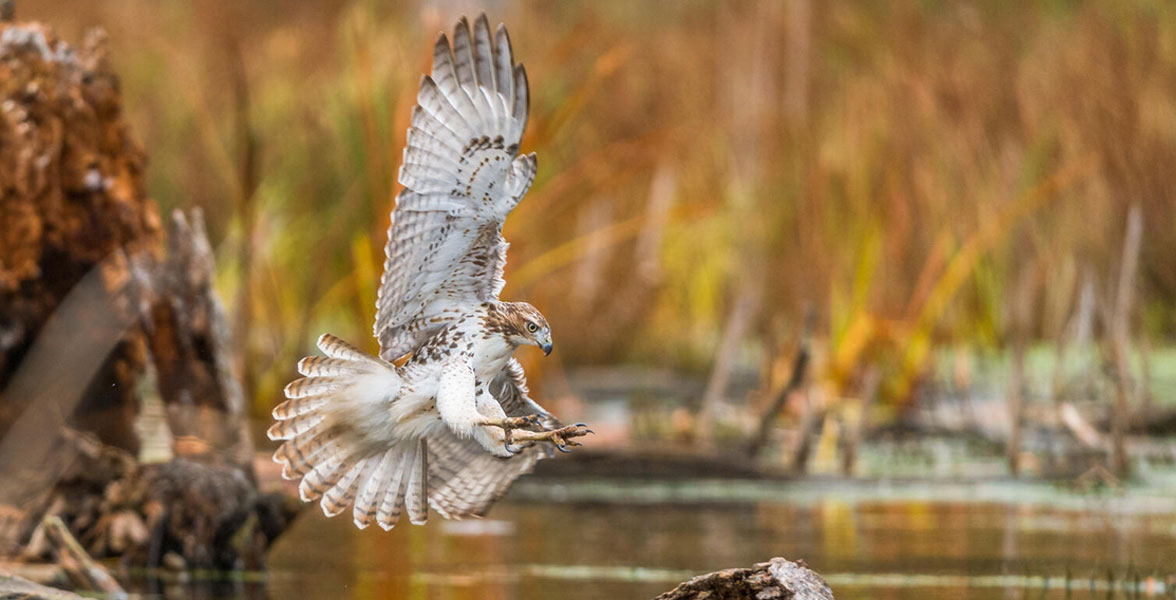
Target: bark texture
[178, 514]
[777, 579]
[95, 309]
[17, 588]
[72, 201]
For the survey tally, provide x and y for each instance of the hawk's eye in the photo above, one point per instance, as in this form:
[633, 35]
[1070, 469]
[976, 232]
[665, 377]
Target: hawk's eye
[532, 327]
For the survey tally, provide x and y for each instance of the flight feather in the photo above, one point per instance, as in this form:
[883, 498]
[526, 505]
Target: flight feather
[462, 175]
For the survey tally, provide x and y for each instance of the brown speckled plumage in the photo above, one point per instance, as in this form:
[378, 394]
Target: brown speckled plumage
[424, 424]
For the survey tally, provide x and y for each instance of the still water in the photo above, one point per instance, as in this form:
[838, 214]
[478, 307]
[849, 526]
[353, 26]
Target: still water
[871, 540]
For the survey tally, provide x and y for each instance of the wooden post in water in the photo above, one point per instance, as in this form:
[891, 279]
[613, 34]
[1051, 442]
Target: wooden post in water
[1021, 308]
[857, 426]
[1015, 406]
[1119, 326]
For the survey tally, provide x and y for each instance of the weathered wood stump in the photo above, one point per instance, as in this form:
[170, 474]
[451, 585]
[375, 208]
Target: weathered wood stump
[777, 579]
[74, 207]
[92, 303]
[73, 202]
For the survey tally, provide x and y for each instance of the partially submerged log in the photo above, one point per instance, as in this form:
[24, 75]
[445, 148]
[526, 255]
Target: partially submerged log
[19, 588]
[777, 579]
[650, 462]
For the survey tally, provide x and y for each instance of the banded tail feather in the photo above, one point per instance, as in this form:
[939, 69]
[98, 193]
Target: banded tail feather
[327, 425]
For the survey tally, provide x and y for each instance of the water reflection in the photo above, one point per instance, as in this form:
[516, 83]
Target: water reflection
[869, 549]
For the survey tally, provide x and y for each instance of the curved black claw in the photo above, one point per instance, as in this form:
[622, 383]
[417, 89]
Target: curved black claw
[510, 450]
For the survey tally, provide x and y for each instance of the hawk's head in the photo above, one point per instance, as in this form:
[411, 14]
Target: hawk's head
[522, 324]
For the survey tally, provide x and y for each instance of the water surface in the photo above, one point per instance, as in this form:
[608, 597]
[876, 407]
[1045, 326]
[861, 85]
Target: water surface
[871, 540]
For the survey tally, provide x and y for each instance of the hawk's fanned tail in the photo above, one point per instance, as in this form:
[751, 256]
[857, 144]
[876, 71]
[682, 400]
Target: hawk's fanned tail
[337, 429]
[335, 424]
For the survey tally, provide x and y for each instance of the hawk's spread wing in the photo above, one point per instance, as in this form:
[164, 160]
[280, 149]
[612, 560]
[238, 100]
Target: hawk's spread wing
[461, 178]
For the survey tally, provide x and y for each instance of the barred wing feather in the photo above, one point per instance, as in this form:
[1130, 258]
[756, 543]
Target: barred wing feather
[461, 175]
[464, 479]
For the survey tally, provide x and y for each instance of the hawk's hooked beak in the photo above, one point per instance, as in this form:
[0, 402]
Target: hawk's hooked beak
[546, 348]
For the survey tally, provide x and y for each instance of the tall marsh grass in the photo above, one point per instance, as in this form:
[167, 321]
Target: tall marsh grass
[897, 166]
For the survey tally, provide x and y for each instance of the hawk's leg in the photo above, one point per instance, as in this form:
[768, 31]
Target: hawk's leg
[561, 438]
[509, 425]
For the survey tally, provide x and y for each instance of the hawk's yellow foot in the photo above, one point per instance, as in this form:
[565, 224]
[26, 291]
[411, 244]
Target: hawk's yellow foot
[560, 438]
[509, 425]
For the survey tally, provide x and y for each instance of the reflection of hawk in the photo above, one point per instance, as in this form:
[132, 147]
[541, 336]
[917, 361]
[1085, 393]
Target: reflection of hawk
[453, 426]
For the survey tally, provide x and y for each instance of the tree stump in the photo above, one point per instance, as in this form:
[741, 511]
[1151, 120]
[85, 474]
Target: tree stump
[74, 204]
[73, 201]
[92, 302]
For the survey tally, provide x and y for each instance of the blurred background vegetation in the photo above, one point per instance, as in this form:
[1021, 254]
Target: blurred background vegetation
[930, 181]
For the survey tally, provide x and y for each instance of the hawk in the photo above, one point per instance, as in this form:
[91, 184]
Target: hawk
[442, 418]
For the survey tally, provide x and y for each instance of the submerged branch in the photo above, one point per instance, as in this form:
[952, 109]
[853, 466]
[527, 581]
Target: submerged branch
[799, 368]
[82, 570]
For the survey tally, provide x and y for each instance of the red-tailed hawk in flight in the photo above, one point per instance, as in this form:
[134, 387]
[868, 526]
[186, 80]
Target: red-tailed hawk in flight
[453, 426]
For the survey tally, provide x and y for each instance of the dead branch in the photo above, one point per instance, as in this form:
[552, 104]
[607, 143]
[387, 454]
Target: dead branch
[83, 571]
[795, 381]
[857, 427]
[191, 348]
[743, 312]
[1119, 332]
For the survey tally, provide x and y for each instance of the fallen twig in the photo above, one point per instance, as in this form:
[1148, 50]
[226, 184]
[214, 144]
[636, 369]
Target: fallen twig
[82, 570]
